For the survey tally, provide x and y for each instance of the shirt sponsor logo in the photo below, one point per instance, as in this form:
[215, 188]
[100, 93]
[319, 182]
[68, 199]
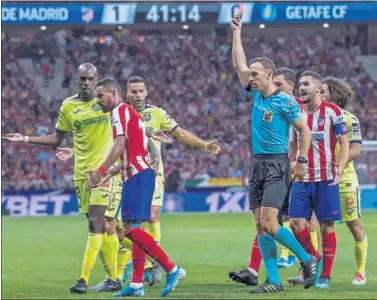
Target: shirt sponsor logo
[318, 136]
[79, 125]
[356, 128]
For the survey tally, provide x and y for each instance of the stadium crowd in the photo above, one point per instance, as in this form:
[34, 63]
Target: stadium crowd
[189, 76]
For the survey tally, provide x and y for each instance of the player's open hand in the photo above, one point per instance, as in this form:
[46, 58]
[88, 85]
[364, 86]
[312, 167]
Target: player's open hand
[64, 153]
[161, 136]
[94, 179]
[14, 137]
[212, 147]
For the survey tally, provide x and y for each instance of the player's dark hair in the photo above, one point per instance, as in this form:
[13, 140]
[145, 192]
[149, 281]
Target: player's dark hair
[340, 91]
[135, 79]
[266, 63]
[312, 74]
[110, 83]
[288, 74]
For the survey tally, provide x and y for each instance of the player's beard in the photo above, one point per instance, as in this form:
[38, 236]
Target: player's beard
[138, 104]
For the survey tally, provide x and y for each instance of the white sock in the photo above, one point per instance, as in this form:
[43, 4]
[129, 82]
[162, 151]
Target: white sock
[174, 270]
[136, 285]
[252, 271]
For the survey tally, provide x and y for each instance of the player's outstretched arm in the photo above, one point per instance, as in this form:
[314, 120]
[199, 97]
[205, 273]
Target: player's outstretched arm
[53, 140]
[153, 155]
[305, 143]
[238, 54]
[159, 135]
[115, 152]
[191, 139]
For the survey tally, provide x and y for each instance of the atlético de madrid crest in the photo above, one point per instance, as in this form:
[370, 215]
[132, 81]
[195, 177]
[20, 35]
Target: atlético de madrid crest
[321, 121]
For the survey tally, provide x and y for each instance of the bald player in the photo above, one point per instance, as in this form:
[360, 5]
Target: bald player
[284, 80]
[92, 139]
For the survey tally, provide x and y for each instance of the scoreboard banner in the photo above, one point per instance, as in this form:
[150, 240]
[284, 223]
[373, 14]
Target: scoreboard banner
[64, 202]
[127, 13]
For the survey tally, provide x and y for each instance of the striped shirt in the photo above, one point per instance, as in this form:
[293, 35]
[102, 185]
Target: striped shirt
[126, 121]
[326, 124]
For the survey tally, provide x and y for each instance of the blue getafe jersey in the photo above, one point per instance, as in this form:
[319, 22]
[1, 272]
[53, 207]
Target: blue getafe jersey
[270, 121]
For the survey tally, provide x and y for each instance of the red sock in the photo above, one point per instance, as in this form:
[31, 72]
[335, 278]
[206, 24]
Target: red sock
[305, 240]
[138, 263]
[255, 255]
[150, 247]
[328, 250]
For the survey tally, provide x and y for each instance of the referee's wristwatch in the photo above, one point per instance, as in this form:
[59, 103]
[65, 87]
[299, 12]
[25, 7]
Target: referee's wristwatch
[301, 160]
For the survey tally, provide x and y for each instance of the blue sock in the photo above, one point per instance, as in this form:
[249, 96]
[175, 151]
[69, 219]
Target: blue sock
[287, 239]
[269, 252]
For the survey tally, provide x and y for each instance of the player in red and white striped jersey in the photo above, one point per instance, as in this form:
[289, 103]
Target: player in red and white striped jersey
[127, 122]
[130, 144]
[318, 191]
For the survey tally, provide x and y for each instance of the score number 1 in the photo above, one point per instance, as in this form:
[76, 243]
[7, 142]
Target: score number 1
[118, 13]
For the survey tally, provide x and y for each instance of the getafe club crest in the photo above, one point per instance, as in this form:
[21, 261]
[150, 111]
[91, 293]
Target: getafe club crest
[267, 116]
[147, 117]
[96, 107]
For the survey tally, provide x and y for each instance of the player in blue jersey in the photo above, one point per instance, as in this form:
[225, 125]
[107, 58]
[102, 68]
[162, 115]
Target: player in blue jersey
[272, 114]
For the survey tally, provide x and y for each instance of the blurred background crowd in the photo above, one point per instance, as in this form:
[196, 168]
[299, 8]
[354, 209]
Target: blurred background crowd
[191, 76]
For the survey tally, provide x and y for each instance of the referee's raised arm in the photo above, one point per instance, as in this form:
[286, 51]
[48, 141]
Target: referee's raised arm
[238, 54]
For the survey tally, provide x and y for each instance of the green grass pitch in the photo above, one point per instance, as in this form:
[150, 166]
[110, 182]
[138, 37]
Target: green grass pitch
[42, 257]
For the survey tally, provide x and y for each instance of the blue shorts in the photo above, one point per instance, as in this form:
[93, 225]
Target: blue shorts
[319, 197]
[137, 196]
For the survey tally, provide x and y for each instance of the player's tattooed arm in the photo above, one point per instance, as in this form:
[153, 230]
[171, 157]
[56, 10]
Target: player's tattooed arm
[153, 155]
[95, 176]
[114, 170]
[53, 140]
[158, 135]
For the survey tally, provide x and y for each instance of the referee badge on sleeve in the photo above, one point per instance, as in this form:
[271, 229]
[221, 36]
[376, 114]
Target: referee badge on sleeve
[268, 116]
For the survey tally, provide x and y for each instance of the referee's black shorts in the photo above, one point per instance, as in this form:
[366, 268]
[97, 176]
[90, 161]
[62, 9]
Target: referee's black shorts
[269, 180]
